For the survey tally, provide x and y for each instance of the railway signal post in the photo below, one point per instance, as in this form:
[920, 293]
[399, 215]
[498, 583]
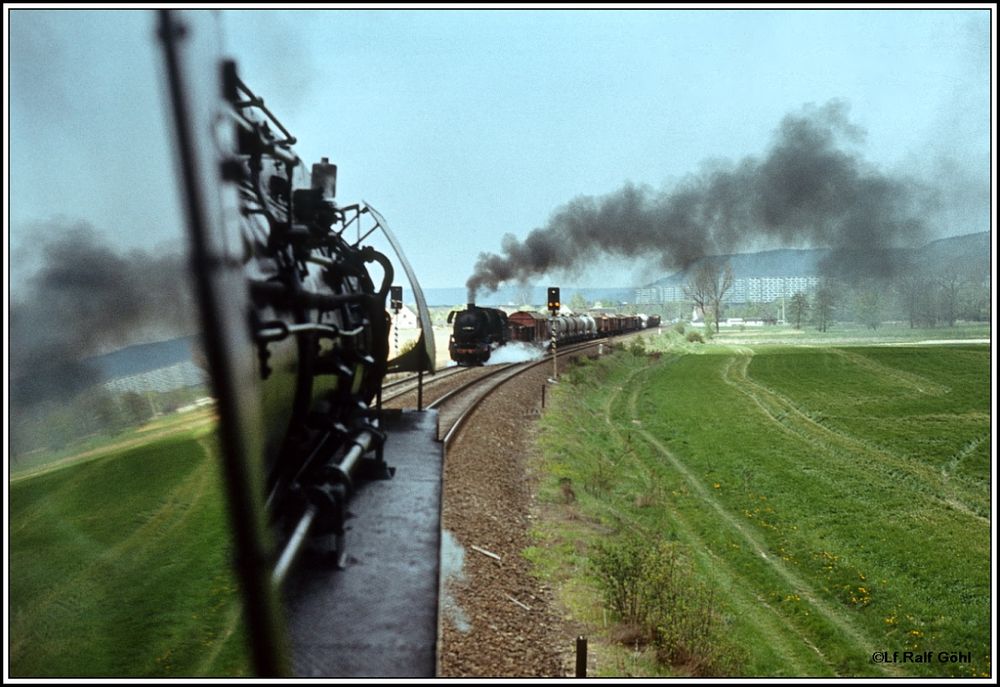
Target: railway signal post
[554, 306]
[396, 303]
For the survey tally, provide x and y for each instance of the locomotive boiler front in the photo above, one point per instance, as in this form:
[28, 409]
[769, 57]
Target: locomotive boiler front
[471, 325]
[476, 333]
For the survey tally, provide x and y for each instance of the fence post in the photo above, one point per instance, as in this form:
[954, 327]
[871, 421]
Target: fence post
[581, 656]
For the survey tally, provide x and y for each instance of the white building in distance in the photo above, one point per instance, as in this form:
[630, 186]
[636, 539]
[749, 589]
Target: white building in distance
[743, 290]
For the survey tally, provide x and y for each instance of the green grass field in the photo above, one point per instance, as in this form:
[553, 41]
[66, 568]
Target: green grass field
[835, 500]
[851, 333]
[119, 566]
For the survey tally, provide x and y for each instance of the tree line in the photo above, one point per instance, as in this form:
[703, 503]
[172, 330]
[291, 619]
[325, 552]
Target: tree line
[929, 298]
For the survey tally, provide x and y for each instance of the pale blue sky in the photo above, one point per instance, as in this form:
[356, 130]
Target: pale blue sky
[460, 126]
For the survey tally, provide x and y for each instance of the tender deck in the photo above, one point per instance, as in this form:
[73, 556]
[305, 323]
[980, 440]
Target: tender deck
[378, 617]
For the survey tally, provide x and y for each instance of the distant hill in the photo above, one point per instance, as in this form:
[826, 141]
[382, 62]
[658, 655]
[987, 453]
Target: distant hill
[968, 250]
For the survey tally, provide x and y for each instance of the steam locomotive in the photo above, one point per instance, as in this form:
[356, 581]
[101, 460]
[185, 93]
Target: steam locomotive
[293, 318]
[478, 331]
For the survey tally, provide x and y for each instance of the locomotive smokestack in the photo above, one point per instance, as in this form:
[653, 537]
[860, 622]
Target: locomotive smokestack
[470, 306]
[324, 176]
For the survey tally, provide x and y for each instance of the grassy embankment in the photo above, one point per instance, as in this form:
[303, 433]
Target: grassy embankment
[119, 565]
[788, 511]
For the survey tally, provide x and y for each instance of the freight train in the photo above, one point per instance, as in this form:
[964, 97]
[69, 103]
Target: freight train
[478, 331]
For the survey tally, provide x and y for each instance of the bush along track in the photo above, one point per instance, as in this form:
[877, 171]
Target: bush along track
[714, 510]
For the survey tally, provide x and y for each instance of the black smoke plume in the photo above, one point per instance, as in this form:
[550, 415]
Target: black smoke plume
[811, 188]
[87, 298]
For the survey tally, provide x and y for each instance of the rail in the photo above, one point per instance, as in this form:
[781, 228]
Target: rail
[522, 368]
[410, 382]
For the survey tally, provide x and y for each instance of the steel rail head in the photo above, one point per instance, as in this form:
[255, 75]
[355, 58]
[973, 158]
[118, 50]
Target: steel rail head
[471, 383]
[467, 413]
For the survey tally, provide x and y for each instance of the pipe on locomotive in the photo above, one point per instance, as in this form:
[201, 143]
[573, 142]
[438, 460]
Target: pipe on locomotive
[346, 469]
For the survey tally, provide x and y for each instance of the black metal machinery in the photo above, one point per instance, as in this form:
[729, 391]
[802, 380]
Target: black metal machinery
[293, 317]
[476, 333]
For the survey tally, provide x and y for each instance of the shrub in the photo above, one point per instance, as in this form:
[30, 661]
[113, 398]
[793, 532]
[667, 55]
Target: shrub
[652, 591]
[619, 569]
[637, 346]
[695, 337]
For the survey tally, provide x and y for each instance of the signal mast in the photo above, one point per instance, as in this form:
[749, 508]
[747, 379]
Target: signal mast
[554, 306]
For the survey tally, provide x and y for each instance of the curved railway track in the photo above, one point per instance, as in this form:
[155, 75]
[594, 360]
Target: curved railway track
[410, 382]
[404, 394]
[496, 617]
[457, 405]
[456, 392]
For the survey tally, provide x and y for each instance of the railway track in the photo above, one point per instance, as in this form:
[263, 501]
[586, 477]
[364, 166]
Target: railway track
[409, 383]
[404, 394]
[458, 404]
[454, 406]
[496, 616]
[456, 392]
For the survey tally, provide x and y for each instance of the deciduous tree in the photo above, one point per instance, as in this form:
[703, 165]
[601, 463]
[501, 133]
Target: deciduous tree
[708, 287]
[823, 307]
[799, 307]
